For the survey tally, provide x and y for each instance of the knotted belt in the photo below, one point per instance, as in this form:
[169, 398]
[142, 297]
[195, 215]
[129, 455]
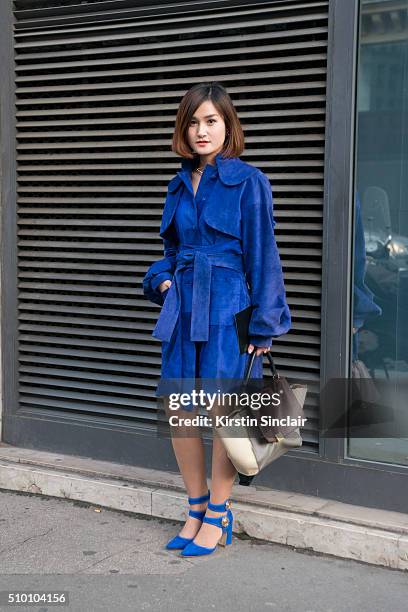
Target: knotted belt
[201, 258]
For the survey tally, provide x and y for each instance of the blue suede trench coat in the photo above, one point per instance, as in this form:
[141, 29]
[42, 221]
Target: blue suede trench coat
[221, 256]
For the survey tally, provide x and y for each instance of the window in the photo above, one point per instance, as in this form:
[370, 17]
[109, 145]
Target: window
[380, 284]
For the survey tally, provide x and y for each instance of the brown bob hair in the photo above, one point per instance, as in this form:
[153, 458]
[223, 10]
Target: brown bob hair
[234, 142]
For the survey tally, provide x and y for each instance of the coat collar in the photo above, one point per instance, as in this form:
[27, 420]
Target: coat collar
[231, 170]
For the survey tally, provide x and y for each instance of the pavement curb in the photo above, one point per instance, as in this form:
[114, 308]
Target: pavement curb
[368, 535]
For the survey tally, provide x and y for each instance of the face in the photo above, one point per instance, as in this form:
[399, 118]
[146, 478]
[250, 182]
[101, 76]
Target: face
[208, 125]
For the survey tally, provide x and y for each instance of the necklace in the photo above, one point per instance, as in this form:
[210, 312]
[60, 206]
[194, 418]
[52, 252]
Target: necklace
[200, 170]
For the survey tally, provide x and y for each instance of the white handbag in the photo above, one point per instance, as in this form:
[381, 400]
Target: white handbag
[247, 448]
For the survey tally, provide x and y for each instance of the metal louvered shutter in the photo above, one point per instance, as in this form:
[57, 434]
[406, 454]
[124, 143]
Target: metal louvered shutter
[97, 88]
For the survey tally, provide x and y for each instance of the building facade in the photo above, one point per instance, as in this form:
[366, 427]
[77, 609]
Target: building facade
[89, 95]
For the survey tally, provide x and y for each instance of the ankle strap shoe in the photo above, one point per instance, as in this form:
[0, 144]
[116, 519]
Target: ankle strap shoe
[178, 542]
[198, 514]
[223, 522]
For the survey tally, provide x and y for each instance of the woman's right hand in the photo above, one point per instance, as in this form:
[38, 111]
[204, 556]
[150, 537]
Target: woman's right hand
[164, 285]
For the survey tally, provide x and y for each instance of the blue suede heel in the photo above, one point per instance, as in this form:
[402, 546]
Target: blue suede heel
[223, 522]
[178, 542]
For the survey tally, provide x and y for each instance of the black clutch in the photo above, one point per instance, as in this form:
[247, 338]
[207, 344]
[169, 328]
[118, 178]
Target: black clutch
[241, 320]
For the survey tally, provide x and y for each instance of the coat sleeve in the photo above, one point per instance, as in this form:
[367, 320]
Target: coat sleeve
[159, 271]
[270, 315]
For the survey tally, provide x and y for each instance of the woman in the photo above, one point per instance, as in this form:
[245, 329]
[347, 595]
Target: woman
[220, 257]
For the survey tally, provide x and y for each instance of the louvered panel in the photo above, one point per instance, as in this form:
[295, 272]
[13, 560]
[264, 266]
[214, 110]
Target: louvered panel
[97, 89]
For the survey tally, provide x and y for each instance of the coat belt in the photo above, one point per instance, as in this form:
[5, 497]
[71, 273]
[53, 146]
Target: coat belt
[201, 259]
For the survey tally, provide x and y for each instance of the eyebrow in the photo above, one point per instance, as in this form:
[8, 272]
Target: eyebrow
[207, 116]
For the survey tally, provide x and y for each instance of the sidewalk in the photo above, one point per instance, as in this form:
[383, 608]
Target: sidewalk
[317, 525]
[108, 560]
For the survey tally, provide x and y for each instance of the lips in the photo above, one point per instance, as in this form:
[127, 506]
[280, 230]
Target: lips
[202, 141]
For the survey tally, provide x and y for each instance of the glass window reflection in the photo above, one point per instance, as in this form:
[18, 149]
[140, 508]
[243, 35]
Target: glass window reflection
[380, 284]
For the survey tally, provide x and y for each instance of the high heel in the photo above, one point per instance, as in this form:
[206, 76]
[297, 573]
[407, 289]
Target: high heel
[223, 522]
[178, 542]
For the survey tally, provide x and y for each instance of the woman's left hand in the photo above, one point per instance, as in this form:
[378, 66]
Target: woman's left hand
[259, 349]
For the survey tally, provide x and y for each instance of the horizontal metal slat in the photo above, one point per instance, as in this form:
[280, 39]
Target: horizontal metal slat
[215, 25]
[98, 355]
[203, 43]
[107, 145]
[63, 341]
[85, 256]
[39, 178]
[106, 247]
[75, 402]
[190, 55]
[50, 321]
[57, 298]
[225, 77]
[171, 93]
[234, 9]
[264, 127]
[148, 109]
[296, 60]
[296, 116]
[118, 189]
[29, 9]
[92, 361]
[153, 225]
[118, 387]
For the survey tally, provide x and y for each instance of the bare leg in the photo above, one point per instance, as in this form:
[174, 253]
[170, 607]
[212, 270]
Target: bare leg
[189, 452]
[222, 478]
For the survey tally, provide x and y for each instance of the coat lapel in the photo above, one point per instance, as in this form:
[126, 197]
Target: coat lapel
[222, 210]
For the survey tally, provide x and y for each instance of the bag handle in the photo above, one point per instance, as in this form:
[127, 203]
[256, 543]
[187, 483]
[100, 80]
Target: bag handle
[274, 371]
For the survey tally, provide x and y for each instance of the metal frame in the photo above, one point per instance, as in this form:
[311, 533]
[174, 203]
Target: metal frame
[9, 324]
[329, 474]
